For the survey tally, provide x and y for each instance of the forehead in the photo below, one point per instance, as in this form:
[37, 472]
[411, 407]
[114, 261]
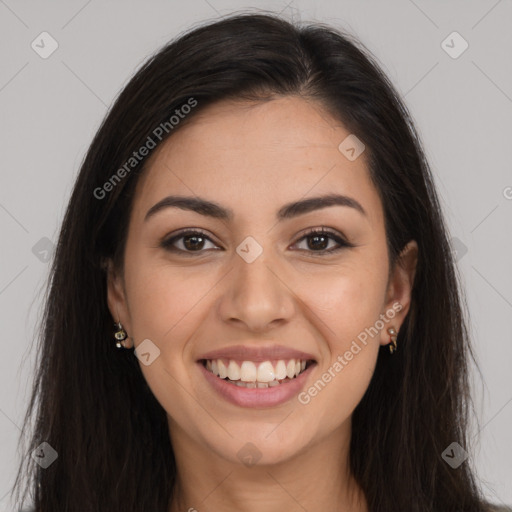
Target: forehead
[254, 154]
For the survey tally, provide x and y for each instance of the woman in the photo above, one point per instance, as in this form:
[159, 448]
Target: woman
[257, 218]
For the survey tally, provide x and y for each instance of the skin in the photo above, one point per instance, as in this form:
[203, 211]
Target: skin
[253, 158]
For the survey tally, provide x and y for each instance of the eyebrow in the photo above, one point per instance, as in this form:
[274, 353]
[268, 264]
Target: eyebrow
[288, 211]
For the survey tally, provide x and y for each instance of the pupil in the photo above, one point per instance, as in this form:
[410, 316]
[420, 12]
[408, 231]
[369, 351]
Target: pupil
[316, 238]
[195, 244]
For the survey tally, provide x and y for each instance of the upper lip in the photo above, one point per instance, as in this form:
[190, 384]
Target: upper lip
[257, 354]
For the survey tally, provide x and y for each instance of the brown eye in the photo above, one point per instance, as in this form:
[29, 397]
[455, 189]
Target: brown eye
[189, 241]
[193, 242]
[318, 240]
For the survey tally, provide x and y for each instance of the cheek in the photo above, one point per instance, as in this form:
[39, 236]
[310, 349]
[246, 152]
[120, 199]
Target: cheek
[347, 300]
[162, 297]
[166, 308]
[346, 308]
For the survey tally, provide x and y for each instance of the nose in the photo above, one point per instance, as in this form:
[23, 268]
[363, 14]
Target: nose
[256, 295]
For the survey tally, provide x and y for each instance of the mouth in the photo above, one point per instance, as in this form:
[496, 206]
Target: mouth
[257, 375]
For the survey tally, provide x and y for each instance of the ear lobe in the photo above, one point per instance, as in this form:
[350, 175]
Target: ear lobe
[400, 285]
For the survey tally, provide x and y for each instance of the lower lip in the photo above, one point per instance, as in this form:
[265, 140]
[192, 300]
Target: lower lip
[257, 397]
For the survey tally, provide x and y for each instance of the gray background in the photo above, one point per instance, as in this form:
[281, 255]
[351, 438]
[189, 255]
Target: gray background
[50, 109]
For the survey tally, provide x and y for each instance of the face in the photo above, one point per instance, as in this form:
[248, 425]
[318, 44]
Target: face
[246, 283]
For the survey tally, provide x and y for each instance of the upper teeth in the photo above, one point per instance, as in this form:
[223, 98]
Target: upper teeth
[248, 371]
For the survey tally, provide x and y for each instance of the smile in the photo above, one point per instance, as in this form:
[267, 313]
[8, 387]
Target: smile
[250, 374]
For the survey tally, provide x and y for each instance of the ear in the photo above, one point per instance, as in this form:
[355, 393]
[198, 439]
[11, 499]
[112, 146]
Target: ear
[399, 288]
[116, 299]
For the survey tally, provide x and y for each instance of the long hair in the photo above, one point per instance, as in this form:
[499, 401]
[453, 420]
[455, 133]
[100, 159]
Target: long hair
[91, 403]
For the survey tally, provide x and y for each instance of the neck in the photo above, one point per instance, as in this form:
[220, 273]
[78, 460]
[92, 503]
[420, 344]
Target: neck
[317, 478]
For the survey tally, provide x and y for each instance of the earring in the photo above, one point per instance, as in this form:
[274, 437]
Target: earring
[392, 344]
[120, 335]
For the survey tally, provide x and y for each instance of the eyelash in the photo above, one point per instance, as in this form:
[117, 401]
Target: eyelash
[168, 244]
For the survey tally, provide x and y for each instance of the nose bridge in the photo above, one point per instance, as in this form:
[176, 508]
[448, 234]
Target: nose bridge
[254, 294]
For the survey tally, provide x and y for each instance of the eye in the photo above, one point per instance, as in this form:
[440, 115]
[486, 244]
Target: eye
[194, 241]
[319, 239]
[187, 241]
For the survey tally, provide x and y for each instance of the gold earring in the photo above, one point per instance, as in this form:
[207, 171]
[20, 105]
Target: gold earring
[120, 335]
[392, 344]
